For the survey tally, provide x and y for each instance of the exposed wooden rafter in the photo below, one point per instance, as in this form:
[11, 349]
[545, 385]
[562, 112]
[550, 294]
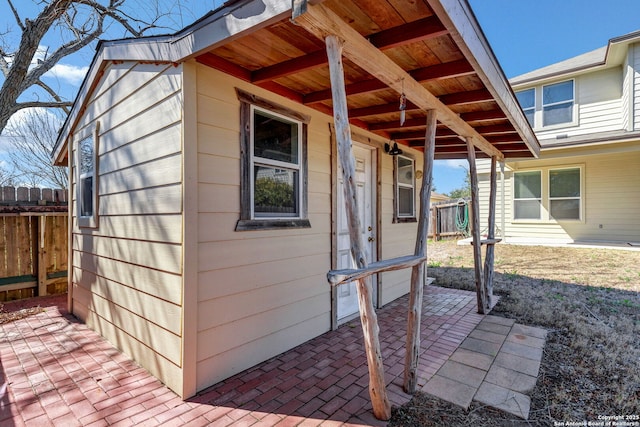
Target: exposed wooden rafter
[412, 32]
[458, 98]
[448, 70]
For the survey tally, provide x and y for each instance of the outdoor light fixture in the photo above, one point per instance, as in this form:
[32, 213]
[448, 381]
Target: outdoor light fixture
[392, 151]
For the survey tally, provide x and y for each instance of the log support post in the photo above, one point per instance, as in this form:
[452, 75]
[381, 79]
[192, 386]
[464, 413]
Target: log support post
[418, 272]
[491, 224]
[483, 306]
[368, 317]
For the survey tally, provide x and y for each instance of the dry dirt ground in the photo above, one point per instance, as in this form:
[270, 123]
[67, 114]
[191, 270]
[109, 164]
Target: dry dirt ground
[588, 300]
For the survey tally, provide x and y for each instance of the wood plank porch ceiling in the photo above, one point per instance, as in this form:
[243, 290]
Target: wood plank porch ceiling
[286, 59]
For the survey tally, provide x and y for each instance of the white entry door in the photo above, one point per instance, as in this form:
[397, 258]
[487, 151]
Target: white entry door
[347, 298]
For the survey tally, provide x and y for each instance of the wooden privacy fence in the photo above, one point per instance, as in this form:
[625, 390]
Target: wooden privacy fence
[449, 219]
[34, 239]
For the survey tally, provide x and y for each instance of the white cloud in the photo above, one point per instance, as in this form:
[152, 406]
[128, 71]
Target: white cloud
[72, 74]
[455, 163]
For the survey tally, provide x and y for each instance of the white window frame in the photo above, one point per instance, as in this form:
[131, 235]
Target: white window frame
[513, 186]
[399, 217]
[88, 221]
[579, 198]
[545, 202]
[532, 108]
[574, 119]
[276, 164]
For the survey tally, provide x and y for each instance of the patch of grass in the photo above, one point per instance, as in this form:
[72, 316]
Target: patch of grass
[434, 264]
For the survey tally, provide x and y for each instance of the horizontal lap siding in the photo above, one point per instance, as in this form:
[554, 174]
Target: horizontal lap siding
[127, 273]
[259, 292]
[611, 195]
[599, 98]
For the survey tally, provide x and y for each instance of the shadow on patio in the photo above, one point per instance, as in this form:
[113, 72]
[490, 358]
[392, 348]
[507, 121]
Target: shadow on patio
[324, 379]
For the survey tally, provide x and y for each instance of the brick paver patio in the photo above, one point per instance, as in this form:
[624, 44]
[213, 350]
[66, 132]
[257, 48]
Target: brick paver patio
[56, 371]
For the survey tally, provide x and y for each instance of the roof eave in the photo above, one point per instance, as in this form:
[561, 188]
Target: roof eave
[232, 20]
[613, 56]
[458, 17]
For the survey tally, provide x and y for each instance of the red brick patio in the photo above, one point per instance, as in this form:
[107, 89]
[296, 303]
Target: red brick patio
[59, 372]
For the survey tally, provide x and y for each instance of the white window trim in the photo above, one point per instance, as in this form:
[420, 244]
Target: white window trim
[574, 108]
[92, 220]
[545, 215]
[254, 160]
[541, 199]
[533, 108]
[581, 198]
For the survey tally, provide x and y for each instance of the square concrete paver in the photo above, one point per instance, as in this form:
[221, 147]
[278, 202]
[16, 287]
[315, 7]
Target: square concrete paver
[533, 353]
[481, 346]
[462, 373]
[513, 380]
[471, 358]
[488, 336]
[502, 398]
[450, 390]
[518, 363]
[529, 331]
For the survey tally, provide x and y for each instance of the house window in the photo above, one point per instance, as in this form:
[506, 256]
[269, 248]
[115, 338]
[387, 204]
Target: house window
[527, 200]
[273, 166]
[527, 100]
[86, 180]
[405, 184]
[564, 194]
[557, 103]
[275, 163]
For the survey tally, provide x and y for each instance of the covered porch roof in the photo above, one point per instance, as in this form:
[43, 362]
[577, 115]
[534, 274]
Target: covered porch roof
[432, 50]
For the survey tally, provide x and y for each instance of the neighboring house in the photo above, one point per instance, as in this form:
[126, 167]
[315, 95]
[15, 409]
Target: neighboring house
[207, 201]
[585, 186]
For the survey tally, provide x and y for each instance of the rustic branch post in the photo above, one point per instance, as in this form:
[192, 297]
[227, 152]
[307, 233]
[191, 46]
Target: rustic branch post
[490, 252]
[475, 229]
[418, 271]
[368, 317]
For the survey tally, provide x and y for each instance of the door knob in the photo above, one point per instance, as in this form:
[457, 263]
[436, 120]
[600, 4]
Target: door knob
[371, 239]
[370, 228]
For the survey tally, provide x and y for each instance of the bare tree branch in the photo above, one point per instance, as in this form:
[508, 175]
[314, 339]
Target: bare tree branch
[16, 15]
[42, 104]
[80, 22]
[54, 95]
[32, 138]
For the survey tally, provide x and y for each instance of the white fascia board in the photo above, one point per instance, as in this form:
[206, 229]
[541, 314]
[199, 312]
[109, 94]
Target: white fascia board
[458, 18]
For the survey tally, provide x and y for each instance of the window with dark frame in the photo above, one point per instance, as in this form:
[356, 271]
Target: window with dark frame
[85, 181]
[273, 166]
[86, 163]
[405, 184]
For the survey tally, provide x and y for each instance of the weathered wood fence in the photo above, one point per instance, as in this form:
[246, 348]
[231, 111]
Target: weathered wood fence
[449, 219]
[33, 238]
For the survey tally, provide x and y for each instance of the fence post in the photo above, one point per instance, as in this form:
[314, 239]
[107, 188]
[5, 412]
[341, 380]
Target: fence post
[42, 256]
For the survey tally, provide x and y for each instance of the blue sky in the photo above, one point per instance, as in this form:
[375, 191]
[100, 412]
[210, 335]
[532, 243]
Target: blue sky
[524, 34]
[529, 34]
